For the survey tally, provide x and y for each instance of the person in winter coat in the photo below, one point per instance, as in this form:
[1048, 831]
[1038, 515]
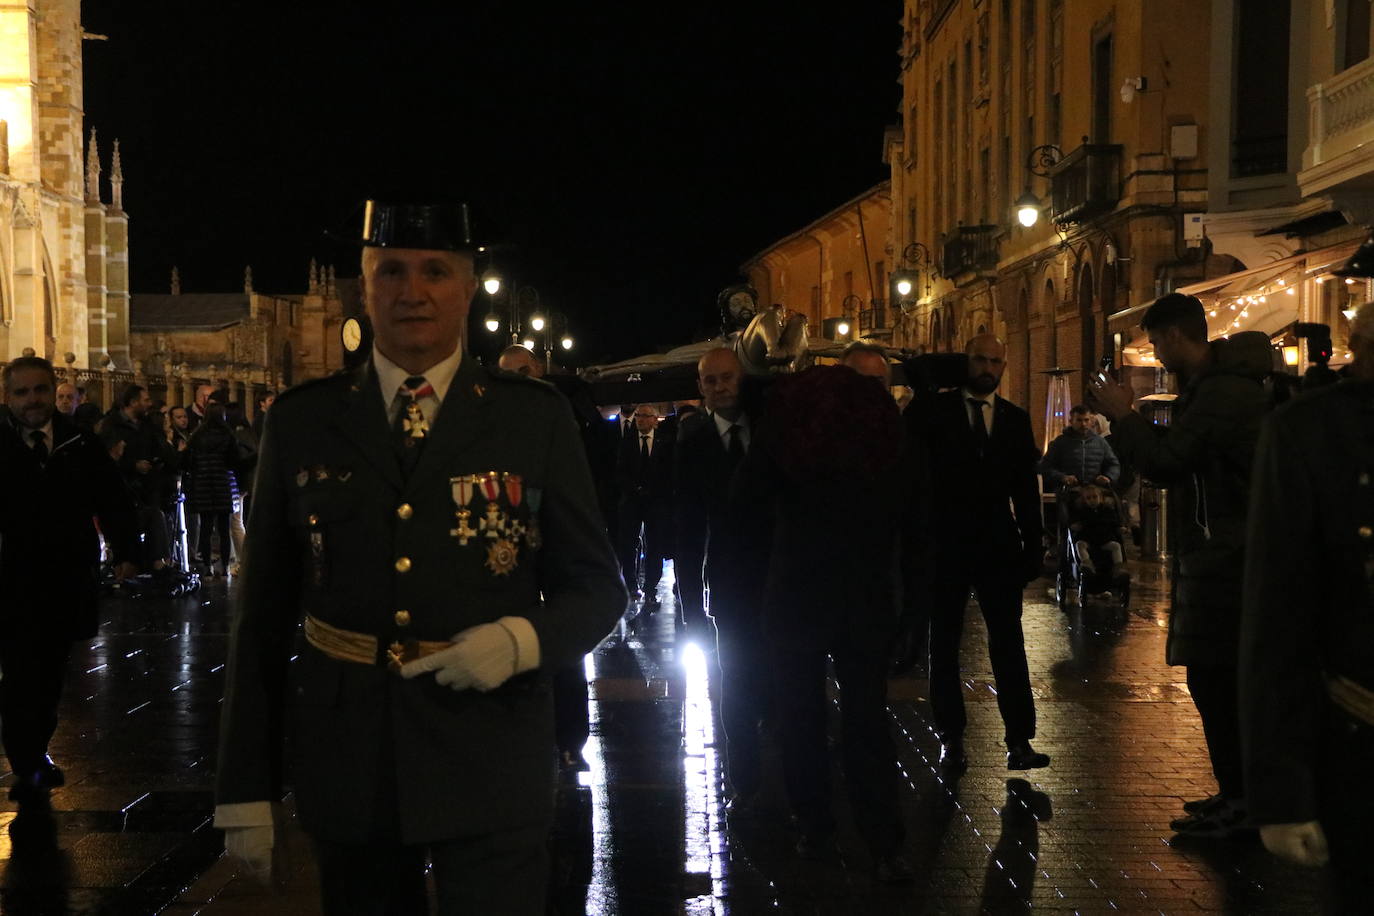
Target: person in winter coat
[214, 454]
[1204, 458]
[1079, 455]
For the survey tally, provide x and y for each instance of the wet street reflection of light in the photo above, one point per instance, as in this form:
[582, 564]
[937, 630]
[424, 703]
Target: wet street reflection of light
[593, 779]
[703, 843]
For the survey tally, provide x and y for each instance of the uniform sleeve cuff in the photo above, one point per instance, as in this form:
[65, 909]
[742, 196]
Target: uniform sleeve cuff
[243, 814]
[526, 642]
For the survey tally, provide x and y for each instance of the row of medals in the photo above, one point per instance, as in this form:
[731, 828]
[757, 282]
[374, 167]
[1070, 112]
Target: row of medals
[502, 532]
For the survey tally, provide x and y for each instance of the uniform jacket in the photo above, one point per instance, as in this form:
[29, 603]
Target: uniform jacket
[1084, 457]
[336, 531]
[1203, 456]
[717, 532]
[992, 502]
[49, 551]
[1308, 610]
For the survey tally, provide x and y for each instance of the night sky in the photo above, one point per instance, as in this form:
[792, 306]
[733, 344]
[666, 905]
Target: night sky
[632, 156]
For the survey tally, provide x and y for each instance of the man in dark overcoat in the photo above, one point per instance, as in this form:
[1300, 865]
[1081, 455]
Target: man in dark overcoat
[1307, 630]
[435, 525]
[1203, 456]
[57, 481]
[985, 518]
[722, 550]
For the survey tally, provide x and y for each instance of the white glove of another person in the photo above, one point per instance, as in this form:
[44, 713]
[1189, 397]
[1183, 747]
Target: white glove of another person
[251, 847]
[482, 657]
[1302, 844]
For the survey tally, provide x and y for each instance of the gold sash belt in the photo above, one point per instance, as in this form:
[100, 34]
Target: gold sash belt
[348, 646]
[1351, 697]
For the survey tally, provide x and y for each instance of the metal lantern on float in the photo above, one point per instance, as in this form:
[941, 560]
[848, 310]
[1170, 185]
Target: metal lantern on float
[1058, 404]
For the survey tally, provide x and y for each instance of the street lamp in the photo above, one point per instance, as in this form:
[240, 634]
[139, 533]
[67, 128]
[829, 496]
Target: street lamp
[491, 282]
[1039, 162]
[567, 342]
[536, 322]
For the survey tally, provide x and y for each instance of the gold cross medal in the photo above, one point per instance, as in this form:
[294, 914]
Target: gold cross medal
[415, 424]
[462, 495]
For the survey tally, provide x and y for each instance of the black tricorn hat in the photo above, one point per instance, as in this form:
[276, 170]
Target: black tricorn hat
[440, 227]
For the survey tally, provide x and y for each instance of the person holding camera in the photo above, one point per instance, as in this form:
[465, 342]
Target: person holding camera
[981, 456]
[1204, 457]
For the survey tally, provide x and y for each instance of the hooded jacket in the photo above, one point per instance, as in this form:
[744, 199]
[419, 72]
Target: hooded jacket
[1203, 457]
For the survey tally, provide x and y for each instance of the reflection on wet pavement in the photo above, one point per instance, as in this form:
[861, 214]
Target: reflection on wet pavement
[643, 831]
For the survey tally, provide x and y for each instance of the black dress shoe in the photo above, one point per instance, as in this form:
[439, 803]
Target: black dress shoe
[1021, 756]
[48, 775]
[1203, 805]
[893, 869]
[742, 804]
[572, 762]
[952, 757]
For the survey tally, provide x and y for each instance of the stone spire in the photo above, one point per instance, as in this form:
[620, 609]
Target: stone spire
[314, 286]
[116, 181]
[92, 169]
[248, 280]
[329, 290]
[176, 281]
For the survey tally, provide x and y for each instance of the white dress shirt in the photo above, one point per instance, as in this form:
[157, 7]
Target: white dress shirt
[989, 411]
[723, 428]
[390, 377]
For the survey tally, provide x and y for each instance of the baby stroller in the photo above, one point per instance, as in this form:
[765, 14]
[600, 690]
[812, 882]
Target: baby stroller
[1091, 552]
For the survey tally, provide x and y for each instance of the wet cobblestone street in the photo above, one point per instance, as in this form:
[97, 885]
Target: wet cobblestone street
[644, 831]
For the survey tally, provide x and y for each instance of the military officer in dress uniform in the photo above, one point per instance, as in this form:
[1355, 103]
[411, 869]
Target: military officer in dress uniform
[1307, 630]
[425, 538]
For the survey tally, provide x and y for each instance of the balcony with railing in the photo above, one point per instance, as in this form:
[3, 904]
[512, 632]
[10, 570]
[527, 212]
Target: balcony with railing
[969, 251]
[1085, 183]
[1340, 150]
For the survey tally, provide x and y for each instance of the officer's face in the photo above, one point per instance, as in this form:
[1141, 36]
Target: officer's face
[30, 396]
[418, 301]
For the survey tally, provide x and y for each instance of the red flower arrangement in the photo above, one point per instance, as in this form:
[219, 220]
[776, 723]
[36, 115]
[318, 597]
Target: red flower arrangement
[831, 422]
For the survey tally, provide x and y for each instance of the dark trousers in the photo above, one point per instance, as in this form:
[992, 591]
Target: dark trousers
[209, 521]
[1346, 809]
[571, 724]
[999, 598]
[503, 873]
[31, 675]
[1216, 696]
[869, 755]
[745, 696]
[637, 512]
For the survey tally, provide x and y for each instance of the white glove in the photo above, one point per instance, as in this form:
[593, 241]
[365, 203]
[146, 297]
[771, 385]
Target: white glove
[482, 657]
[251, 847]
[1303, 844]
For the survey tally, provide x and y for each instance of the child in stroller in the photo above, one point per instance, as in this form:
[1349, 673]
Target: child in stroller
[1091, 522]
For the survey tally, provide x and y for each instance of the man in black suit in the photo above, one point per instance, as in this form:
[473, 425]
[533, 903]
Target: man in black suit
[985, 510]
[644, 480]
[723, 547]
[57, 480]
